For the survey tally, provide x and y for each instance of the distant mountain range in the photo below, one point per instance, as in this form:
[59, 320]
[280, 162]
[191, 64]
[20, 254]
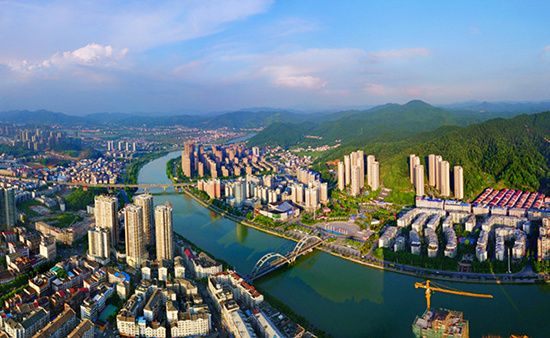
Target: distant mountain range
[239, 119]
[515, 108]
[398, 120]
[261, 117]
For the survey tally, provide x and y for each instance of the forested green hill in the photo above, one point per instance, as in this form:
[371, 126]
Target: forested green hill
[502, 152]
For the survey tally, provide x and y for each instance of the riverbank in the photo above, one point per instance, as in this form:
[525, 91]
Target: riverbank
[452, 276]
[338, 296]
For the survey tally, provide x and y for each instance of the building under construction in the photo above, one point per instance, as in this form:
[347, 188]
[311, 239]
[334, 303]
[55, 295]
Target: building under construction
[441, 323]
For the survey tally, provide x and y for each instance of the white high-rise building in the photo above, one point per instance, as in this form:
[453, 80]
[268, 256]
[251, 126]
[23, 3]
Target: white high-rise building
[459, 182]
[431, 170]
[445, 179]
[413, 162]
[347, 163]
[341, 176]
[374, 174]
[164, 231]
[106, 215]
[438, 160]
[370, 161]
[419, 180]
[99, 247]
[145, 201]
[355, 180]
[312, 198]
[323, 192]
[361, 165]
[135, 239]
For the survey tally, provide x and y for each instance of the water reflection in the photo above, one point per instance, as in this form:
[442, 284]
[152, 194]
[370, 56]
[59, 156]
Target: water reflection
[241, 231]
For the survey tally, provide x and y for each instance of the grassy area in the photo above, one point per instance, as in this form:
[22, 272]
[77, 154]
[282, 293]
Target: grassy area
[25, 207]
[63, 220]
[80, 199]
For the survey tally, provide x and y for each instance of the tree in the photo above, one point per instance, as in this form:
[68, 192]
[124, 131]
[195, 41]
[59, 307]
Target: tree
[62, 274]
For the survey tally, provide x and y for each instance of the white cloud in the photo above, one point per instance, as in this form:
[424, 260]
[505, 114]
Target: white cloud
[90, 55]
[34, 31]
[308, 82]
[309, 69]
[289, 26]
[398, 54]
[375, 89]
[545, 51]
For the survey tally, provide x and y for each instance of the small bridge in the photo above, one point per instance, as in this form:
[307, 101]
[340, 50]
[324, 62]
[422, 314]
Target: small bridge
[122, 185]
[272, 261]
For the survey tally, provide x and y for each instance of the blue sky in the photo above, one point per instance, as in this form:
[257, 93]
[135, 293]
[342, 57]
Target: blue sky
[199, 56]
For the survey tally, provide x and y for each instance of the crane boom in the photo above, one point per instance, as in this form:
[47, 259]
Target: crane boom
[429, 288]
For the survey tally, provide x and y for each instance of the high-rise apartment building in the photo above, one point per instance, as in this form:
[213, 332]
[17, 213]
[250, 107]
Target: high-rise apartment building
[458, 182]
[431, 170]
[374, 175]
[135, 240]
[419, 180]
[99, 245]
[164, 231]
[438, 160]
[145, 201]
[445, 179]
[8, 211]
[341, 176]
[355, 180]
[187, 159]
[347, 163]
[413, 162]
[106, 215]
[361, 165]
[370, 161]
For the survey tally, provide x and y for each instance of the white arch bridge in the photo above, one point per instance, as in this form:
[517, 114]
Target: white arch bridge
[272, 261]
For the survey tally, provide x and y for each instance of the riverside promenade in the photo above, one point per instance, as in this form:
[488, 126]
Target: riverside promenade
[527, 276]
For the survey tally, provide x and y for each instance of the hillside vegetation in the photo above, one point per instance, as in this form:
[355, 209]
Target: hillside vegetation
[399, 121]
[502, 152]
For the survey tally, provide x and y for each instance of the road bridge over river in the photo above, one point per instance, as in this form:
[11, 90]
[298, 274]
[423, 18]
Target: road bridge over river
[176, 186]
[272, 261]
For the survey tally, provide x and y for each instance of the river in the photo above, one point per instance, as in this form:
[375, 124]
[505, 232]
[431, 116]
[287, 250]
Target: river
[343, 298]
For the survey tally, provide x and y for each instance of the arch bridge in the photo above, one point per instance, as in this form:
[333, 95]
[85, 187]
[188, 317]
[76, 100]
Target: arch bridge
[273, 260]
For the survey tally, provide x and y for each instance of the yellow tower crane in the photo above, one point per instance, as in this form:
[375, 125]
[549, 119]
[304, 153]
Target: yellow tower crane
[435, 287]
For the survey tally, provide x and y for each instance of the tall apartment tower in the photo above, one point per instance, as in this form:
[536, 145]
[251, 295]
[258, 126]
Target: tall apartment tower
[374, 174]
[419, 180]
[370, 161]
[323, 192]
[459, 182]
[8, 211]
[431, 170]
[164, 231]
[99, 248]
[361, 165]
[135, 240]
[438, 160]
[145, 201]
[106, 215]
[355, 180]
[445, 179]
[347, 163]
[341, 176]
[413, 162]
[187, 159]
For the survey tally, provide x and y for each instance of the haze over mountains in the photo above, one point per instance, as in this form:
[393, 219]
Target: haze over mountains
[491, 149]
[261, 117]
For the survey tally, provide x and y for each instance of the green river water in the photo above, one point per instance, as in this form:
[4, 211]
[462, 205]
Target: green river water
[343, 298]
